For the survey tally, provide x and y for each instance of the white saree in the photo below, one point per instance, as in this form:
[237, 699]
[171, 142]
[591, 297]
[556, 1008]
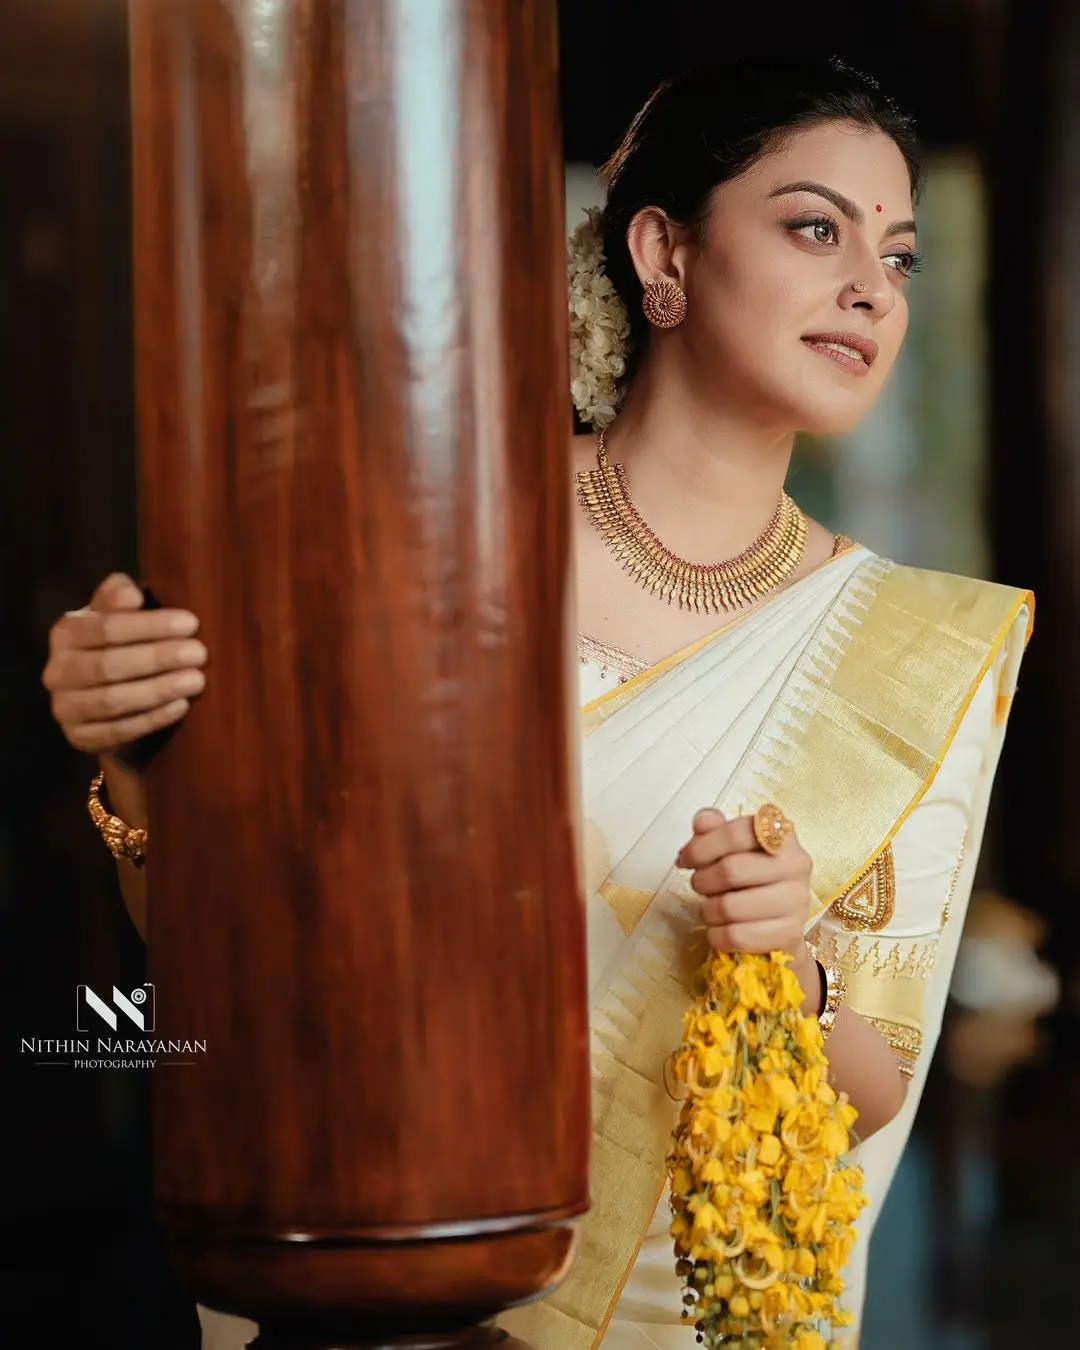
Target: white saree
[869, 702]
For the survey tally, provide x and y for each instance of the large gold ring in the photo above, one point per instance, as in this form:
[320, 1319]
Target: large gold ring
[772, 829]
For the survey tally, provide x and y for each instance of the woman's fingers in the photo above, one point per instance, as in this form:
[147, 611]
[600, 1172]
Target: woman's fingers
[762, 936]
[736, 872]
[754, 901]
[82, 668]
[96, 737]
[710, 845]
[118, 672]
[726, 855]
[117, 591]
[761, 903]
[109, 702]
[90, 629]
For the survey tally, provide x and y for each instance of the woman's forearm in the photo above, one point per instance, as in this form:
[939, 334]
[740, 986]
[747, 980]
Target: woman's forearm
[127, 798]
[862, 1064]
[861, 1061]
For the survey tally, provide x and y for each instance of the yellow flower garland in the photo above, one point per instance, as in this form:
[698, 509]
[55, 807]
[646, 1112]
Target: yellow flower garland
[763, 1206]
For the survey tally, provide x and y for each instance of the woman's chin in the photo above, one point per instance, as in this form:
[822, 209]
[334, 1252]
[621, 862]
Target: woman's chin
[833, 416]
[820, 407]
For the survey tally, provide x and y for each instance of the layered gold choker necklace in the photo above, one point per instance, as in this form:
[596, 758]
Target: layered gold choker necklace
[705, 587]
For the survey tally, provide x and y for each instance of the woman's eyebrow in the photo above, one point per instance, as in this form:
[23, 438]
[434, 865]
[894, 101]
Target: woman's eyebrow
[843, 204]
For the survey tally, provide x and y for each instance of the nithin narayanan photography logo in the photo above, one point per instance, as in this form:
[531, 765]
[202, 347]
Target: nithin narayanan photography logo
[124, 1013]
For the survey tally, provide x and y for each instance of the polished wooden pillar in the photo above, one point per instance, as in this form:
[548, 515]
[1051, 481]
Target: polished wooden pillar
[352, 359]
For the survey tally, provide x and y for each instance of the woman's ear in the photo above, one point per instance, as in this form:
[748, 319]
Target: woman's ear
[655, 245]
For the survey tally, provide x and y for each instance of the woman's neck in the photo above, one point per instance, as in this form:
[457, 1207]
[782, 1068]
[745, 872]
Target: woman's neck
[707, 482]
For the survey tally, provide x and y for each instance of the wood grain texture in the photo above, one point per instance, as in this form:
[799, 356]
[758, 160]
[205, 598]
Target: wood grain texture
[352, 354]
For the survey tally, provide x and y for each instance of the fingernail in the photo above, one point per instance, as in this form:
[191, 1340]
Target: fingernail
[183, 624]
[708, 819]
[191, 682]
[192, 654]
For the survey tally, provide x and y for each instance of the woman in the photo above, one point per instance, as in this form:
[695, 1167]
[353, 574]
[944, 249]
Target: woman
[759, 241]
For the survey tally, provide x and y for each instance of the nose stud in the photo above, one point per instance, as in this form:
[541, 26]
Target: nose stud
[860, 286]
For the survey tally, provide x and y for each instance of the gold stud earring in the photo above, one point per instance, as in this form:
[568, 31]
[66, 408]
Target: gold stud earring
[664, 304]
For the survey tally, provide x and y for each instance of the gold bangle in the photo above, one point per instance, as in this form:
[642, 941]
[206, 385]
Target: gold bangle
[835, 993]
[123, 841]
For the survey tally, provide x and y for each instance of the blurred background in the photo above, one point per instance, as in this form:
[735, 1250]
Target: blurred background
[971, 463]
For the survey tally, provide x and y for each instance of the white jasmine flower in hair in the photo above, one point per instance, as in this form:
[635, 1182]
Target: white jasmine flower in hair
[599, 327]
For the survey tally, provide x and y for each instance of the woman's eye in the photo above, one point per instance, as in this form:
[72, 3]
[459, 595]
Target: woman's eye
[905, 263]
[819, 231]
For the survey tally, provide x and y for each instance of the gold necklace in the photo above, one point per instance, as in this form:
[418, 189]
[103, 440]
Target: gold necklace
[705, 587]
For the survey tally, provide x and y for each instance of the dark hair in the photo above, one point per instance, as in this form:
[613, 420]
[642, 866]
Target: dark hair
[709, 125]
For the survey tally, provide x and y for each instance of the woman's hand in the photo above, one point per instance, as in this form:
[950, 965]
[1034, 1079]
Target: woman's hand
[752, 902]
[118, 672]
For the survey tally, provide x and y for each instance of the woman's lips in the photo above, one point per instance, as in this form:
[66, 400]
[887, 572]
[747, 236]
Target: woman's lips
[850, 351]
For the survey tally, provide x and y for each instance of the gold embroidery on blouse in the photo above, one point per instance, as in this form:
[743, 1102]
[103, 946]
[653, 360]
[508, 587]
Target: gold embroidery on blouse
[857, 957]
[906, 1042]
[887, 981]
[953, 884]
[919, 964]
[869, 904]
[610, 657]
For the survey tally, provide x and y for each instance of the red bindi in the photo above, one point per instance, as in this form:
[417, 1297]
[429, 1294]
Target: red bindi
[879, 207]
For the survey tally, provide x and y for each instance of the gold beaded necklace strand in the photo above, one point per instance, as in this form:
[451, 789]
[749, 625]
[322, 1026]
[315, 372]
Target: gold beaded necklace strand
[705, 587]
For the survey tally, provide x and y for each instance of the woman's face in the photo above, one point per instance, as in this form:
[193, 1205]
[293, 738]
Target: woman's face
[797, 301]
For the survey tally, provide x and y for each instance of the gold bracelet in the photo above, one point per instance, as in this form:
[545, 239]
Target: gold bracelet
[123, 841]
[835, 993]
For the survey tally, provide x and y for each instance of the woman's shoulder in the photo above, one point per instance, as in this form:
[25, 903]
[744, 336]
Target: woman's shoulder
[966, 604]
[944, 636]
[934, 658]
